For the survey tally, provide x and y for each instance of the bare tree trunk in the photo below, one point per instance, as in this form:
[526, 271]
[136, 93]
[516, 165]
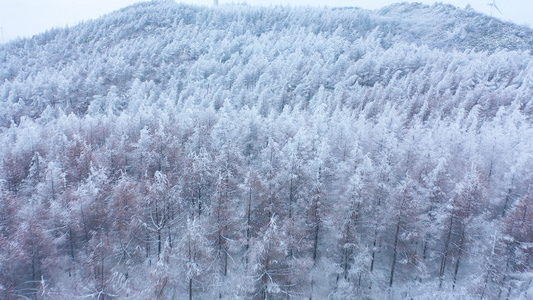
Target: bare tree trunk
[190, 259]
[315, 242]
[445, 251]
[461, 245]
[248, 225]
[190, 288]
[71, 250]
[395, 250]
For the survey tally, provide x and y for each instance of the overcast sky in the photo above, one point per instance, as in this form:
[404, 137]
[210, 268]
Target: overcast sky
[25, 18]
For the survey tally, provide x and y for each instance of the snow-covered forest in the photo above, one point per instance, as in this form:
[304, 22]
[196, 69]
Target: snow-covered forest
[168, 151]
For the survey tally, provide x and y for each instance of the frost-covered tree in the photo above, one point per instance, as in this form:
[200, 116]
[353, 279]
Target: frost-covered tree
[272, 153]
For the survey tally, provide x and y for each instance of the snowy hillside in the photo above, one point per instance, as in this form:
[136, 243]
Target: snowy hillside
[168, 151]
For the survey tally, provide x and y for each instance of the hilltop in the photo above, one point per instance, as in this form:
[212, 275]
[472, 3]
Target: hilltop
[162, 34]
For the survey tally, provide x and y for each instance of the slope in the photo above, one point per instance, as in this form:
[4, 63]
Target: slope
[169, 151]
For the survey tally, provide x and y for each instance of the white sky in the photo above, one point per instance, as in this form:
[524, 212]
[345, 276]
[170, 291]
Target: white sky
[25, 18]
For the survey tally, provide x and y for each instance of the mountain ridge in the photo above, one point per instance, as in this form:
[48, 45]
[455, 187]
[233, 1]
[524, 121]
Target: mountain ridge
[158, 21]
[404, 9]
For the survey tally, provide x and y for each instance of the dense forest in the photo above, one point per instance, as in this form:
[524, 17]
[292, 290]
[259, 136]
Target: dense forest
[169, 151]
